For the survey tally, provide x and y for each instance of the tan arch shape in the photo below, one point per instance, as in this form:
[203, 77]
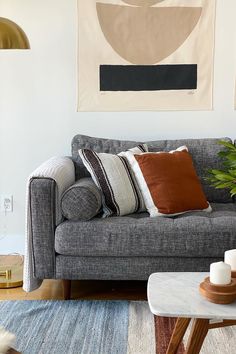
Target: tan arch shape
[142, 2]
[146, 35]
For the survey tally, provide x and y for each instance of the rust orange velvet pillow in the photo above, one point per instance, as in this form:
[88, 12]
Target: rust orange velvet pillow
[169, 182]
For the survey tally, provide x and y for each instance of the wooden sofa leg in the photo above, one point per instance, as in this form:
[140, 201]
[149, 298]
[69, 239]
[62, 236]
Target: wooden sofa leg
[66, 289]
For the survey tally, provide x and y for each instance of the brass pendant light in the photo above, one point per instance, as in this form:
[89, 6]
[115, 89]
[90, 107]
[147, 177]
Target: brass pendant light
[12, 36]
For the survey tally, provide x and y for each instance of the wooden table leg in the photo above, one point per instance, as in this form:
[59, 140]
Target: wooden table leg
[178, 334]
[198, 333]
[13, 351]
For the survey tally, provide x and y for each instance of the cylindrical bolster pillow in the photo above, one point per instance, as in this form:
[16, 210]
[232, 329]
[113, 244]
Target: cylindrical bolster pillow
[82, 201]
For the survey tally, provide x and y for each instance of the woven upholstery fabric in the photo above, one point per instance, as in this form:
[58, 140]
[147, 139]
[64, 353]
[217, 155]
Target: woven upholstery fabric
[196, 234]
[81, 201]
[203, 151]
[43, 222]
[126, 268]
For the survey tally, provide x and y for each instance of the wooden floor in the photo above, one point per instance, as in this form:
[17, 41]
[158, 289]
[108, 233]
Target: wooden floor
[93, 290]
[86, 289]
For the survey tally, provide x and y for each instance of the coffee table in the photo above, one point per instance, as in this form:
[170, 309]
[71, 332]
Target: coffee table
[177, 295]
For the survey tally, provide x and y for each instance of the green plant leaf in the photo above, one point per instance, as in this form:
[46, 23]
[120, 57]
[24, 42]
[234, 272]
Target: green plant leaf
[216, 172]
[229, 165]
[233, 191]
[223, 153]
[224, 177]
[232, 172]
[231, 156]
[227, 144]
[223, 185]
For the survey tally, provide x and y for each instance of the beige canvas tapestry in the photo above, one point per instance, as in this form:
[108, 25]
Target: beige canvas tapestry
[145, 54]
[235, 96]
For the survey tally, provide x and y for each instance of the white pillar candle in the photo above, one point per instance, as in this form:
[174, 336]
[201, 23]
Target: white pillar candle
[220, 273]
[230, 258]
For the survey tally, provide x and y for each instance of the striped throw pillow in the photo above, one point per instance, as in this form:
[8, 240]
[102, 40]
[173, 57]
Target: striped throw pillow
[112, 175]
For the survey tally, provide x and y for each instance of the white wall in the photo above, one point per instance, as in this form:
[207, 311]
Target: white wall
[38, 114]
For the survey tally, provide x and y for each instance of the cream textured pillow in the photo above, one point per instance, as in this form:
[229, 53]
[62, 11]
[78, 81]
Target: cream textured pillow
[168, 182]
[120, 192]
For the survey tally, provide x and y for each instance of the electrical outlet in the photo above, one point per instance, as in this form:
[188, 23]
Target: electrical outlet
[7, 203]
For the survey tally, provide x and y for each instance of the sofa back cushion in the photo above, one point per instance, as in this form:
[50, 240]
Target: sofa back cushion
[204, 153]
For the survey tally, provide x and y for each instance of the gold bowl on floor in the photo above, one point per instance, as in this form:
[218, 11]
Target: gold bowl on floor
[11, 272]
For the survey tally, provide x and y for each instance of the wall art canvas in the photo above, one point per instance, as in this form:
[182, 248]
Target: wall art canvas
[235, 96]
[145, 55]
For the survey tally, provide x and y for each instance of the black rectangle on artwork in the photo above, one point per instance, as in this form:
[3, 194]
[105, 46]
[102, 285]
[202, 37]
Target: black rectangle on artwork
[148, 77]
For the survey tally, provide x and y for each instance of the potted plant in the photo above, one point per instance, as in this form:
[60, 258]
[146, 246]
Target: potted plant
[225, 178]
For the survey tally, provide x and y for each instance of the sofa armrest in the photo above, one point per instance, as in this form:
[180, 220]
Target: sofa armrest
[43, 224]
[44, 190]
[62, 171]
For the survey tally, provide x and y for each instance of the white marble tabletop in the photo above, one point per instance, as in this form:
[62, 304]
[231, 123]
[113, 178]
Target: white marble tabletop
[177, 295]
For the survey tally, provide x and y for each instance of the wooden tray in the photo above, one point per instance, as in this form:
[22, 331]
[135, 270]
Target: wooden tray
[218, 294]
[233, 274]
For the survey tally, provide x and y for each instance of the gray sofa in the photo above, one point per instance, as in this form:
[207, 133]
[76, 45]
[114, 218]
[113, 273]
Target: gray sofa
[131, 247]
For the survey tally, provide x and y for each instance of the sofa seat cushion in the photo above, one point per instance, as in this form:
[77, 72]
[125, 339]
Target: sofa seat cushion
[195, 234]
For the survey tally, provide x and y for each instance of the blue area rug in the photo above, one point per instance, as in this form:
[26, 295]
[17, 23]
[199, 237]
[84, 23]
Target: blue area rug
[71, 327]
[98, 327]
